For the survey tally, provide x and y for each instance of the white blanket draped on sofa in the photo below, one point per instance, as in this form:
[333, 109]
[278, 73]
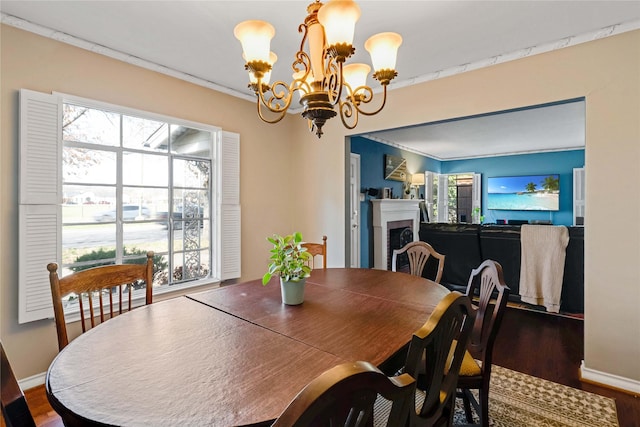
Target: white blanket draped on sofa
[542, 267]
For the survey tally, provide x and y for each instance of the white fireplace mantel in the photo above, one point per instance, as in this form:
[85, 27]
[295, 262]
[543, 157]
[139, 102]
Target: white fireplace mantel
[389, 210]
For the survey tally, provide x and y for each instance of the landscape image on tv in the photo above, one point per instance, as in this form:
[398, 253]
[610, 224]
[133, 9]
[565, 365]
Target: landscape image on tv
[524, 193]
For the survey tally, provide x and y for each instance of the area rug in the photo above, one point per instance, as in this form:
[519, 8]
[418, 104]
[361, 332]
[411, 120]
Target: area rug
[520, 400]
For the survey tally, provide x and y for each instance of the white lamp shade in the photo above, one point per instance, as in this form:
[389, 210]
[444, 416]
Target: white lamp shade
[417, 179]
[356, 75]
[339, 17]
[383, 49]
[255, 37]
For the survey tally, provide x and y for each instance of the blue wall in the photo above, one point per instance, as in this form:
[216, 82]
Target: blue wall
[561, 163]
[372, 176]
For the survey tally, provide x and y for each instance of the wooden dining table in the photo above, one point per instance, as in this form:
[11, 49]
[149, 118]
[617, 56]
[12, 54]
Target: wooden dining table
[234, 355]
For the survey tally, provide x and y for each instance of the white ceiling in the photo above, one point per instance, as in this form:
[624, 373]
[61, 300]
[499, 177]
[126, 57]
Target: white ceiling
[539, 129]
[194, 40]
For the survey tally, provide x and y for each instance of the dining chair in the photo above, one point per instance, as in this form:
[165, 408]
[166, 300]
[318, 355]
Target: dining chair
[15, 410]
[419, 253]
[316, 249]
[93, 285]
[345, 396]
[435, 354]
[486, 284]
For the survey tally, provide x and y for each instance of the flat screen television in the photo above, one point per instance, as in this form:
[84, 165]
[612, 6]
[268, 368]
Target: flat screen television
[524, 193]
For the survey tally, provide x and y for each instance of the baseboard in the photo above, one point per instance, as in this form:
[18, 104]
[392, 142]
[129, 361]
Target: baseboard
[605, 379]
[32, 381]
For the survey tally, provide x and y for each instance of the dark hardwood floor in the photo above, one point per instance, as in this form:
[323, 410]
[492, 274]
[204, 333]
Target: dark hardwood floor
[539, 344]
[551, 347]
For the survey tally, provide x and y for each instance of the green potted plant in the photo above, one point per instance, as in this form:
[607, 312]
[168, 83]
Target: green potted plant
[290, 261]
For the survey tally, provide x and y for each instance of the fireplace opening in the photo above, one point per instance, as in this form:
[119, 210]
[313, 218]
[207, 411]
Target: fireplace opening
[400, 233]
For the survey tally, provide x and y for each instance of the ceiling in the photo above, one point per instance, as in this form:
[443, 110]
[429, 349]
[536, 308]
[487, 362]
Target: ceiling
[531, 130]
[194, 40]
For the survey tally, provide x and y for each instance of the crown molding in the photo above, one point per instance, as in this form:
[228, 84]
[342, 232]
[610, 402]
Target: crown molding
[447, 159]
[611, 30]
[137, 61]
[115, 54]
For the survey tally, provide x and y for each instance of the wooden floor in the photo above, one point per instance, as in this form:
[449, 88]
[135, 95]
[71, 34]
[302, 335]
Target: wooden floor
[551, 347]
[539, 344]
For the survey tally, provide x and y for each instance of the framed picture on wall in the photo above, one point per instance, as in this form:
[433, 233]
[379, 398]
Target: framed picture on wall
[395, 168]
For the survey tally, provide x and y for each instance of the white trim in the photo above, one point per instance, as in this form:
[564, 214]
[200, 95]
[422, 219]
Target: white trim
[611, 30]
[128, 111]
[32, 381]
[479, 156]
[115, 54]
[610, 380]
[389, 210]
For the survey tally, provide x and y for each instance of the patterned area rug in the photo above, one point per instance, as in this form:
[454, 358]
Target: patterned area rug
[519, 400]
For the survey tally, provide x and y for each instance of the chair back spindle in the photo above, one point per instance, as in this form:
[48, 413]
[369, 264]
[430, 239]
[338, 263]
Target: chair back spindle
[418, 254]
[435, 353]
[91, 286]
[486, 284]
[345, 396]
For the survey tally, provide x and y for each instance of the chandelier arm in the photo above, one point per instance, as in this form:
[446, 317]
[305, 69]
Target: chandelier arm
[285, 96]
[347, 111]
[340, 82]
[333, 80]
[264, 119]
[367, 100]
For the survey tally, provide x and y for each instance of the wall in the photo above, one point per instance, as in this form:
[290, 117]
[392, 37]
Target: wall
[561, 163]
[372, 176]
[33, 62]
[310, 194]
[605, 72]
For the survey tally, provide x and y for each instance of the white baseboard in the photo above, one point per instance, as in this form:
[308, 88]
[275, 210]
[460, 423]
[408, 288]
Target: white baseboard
[609, 380]
[32, 381]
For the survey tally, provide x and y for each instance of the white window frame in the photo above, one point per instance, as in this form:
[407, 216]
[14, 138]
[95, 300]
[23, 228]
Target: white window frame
[40, 198]
[442, 196]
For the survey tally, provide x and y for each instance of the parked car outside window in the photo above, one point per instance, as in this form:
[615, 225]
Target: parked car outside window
[129, 213]
[179, 216]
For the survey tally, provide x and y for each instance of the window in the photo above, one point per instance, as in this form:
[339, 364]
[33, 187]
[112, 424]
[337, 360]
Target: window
[114, 183]
[452, 198]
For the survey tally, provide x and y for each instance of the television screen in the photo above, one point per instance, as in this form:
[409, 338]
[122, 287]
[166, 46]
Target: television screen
[524, 193]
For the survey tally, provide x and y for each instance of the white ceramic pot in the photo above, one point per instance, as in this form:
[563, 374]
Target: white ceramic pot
[292, 292]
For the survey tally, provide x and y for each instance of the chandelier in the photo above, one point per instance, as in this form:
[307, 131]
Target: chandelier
[319, 74]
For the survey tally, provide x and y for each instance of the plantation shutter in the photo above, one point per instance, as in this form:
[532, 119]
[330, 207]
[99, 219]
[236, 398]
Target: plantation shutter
[476, 198]
[428, 194]
[578, 196]
[229, 223]
[443, 198]
[40, 196]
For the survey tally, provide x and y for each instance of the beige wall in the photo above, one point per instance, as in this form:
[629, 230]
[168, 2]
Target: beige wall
[33, 62]
[605, 72]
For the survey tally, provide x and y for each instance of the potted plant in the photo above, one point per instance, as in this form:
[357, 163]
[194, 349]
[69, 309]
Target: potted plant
[290, 261]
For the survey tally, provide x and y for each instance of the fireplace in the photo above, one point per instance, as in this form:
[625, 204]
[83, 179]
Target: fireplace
[396, 222]
[399, 234]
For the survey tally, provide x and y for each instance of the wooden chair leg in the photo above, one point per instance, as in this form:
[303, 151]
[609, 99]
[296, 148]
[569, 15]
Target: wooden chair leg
[484, 407]
[466, 400]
